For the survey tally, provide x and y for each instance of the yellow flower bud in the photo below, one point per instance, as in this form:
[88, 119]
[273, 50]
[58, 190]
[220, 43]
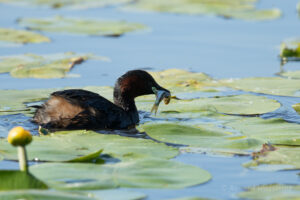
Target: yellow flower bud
[18, 136]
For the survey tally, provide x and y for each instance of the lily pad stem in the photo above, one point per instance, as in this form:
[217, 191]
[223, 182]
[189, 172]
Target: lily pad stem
[22, 159]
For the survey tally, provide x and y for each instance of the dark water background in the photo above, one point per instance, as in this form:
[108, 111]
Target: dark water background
[220, 47]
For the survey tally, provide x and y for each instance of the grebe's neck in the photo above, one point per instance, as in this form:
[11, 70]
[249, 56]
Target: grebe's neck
[127, 103]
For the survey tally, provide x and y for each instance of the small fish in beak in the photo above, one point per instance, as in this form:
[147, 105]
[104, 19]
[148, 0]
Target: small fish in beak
[160, 95]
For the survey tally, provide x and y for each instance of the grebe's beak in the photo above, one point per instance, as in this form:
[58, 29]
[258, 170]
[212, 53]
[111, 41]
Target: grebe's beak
[160, 95]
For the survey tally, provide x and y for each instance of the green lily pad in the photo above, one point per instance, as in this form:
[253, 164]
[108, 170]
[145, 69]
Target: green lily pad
[73, 4]
[40, 194]
[191, 198]
[69, 145]
[21, 36]
[91, 195]
[69, 153]
[145, 173]
[206, 137]
[297, 107]
[282, 158]
[271, 192]
[275, 131]
[42, 66]
[116, 194]
[267, 85]
[16, 180]
[237, 133]
[13, 101]
[238, 104]
[238, 9]
[81, 26]
[291, 74]
[177, 80]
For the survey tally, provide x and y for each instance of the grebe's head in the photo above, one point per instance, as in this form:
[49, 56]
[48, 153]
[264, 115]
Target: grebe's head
[137, 83]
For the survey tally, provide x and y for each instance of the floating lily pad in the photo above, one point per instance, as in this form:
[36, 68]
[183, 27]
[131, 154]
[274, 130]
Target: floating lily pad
[149, 173]
[238, 104]
[282, 157]
[116, 194]
[17, 180]
[239, 9]
[215, 151]
[69, 145]
[13, 101]
[267, 85]
[91, 195]
[42, 66]
[291, 74]
[81, 26]
[275, 131]
[73, 4]
[297, 107]
[40, 194]
[204, 136]
[177, 80]
[237, 133]
[271, 192]
[47, 150]
[21, 36]
[191, 198]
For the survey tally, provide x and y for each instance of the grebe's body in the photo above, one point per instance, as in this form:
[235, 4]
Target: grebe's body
[82, 109]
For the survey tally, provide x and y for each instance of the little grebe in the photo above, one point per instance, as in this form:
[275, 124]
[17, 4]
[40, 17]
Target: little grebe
[82, 109]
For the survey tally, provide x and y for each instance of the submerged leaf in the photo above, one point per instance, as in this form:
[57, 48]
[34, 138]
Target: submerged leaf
[21, 36]
[271, 192]
[17, 180]
[41, 66]
[81, 26]
[149, 173]
[73, 145]
[239, 9]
